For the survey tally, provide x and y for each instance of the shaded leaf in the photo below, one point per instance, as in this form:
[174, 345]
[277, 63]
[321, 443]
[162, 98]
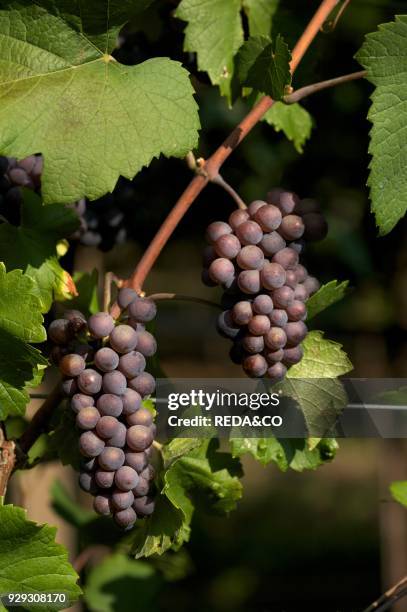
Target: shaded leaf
[293, 120]
[327, 295]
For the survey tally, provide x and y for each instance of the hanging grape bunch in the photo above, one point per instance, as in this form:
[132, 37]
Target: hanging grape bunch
[103, 364]
[13, 176]
[255, 257]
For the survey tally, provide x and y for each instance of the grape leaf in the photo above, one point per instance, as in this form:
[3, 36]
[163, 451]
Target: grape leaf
[384, 55]
[112, 586]
[200, 476]
[214, 32]
[32, 246]
[398, 489]
[20, 313]
[31, 561]
[263, 67]
[260, 14]
[327, 295]
[81, 100]
[293, 120]
[20, 364]
[294, 454]
[322, 359]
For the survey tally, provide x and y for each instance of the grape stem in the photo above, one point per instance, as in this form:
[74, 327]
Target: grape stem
[390, 597]
[185, 298]
[7, 461]
[213, 164]
[219, 180]
[308, 90]
[107, 289]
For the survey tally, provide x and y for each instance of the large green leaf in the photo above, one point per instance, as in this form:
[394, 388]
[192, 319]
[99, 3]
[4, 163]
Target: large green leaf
[293, 120]
[122, 584]
[93, 118]
[263, 66]
[322, 359]
[327, 295]
[31, 247]
[384, 55]
[291, 453]
[214, 32]
[260, 14]
[31, 561]
[201, 476]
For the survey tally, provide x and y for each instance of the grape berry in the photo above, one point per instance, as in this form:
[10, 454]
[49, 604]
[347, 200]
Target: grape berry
[103, 363]
[255, 257]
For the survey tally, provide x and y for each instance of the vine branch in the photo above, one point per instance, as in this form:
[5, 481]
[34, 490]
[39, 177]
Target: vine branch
[308, 90]
[7, 461]
[388, 598]
[213, 164]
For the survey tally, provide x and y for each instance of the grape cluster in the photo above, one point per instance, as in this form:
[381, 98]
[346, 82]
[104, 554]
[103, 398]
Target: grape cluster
[103, 365]
[255, 257]
[13, 176]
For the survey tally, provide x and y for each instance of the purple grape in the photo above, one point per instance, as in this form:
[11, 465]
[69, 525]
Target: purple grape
[311, 284]
[144, 506]
[250, 258]
[143, 383]
[296, 311]
[122, 500]
[72, 365]
[100, 324]
[249, 232]
[87, 418]
[255, 206]
[69, 387]
[238, 217]
[107, 427]
[301, 273]
[298, 246]
[126, 478]
[125, 518]
[291, 279]
[263, 304]
[292, 227]
[300, 293]
[272, 276]
[110, 405]
[259, 325]
[227, 246]
[274, 356]
[90, 445]
[221, 271]
[28, 163]
[278, 318]
[143, 310]
[111, 459]
[268, 217]
[215, 230]
[249, 281]
[139, 437]
[242, 312]
[119, 439]
[114, 382]
[142, 488]
[103, 479]
[292, 355]
[287, 258]
[141, 417]
[123, 339]
[148, 473]
[138, 461]
[273, 196]
[106, 359]
[276, 372]
[283, 297]
[132, 364]
[276, 338]
[60, 331]
[87, 483]
[131, 401]
[101, 504]
[271, 243]
[126, 296]
[226, 326]
[19, 177]
[287, 202]
[255, 366]
[253, 344]
[146, 344]
[76, 319]
[90, 381]
[296, 333]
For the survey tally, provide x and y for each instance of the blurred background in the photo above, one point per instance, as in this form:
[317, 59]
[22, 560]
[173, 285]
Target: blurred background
[330, 540]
